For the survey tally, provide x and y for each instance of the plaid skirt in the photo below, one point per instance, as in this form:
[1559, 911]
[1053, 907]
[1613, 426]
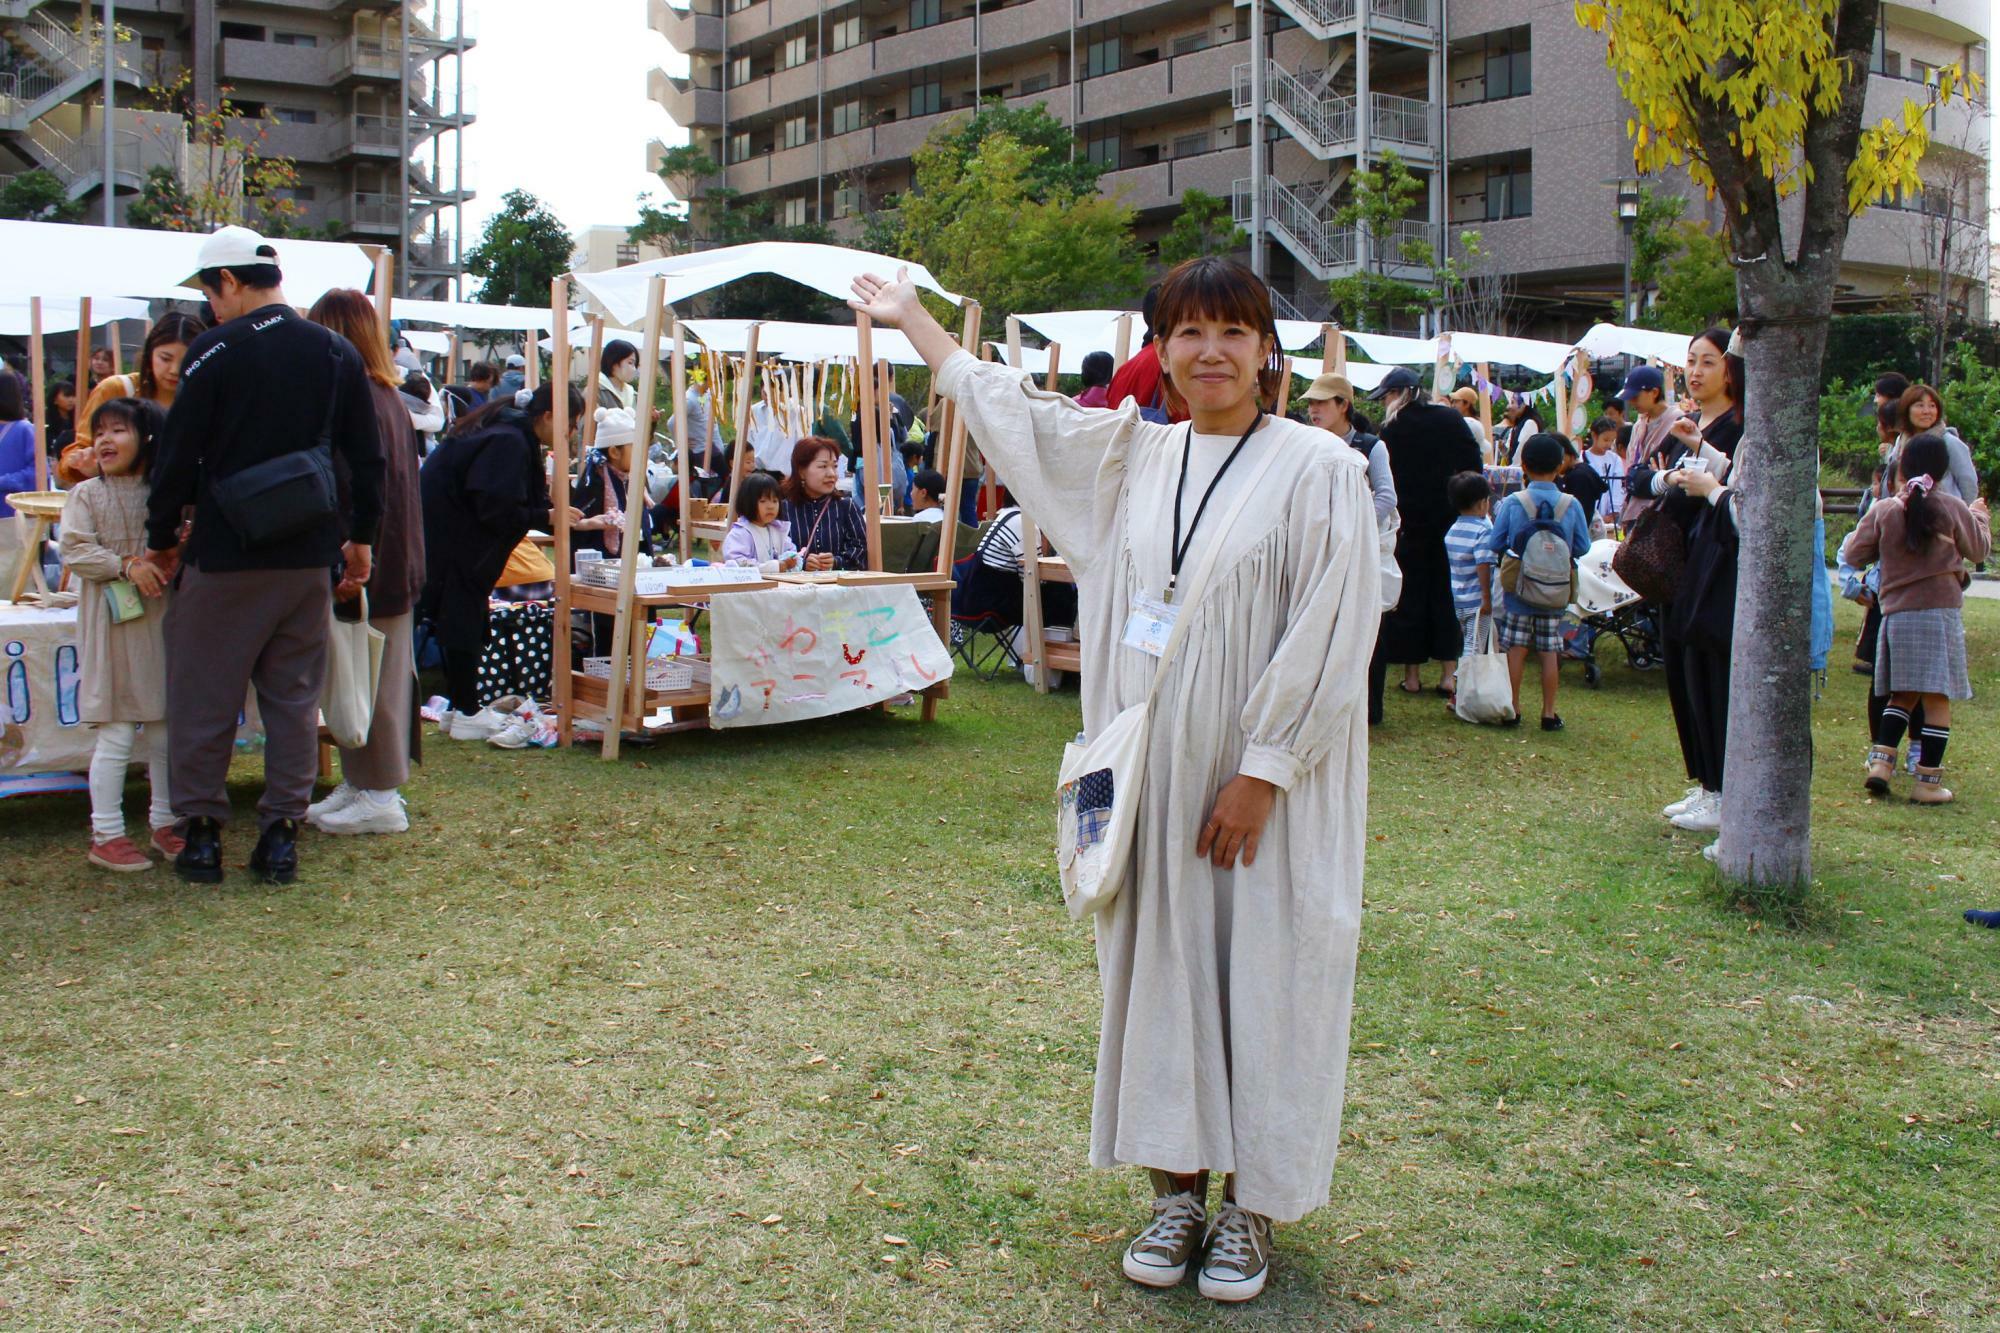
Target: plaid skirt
[1923, 652]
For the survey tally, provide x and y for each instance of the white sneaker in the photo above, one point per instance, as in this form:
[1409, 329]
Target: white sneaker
[1682, 804]
[1710, 852]
[518, 734]
[368, 812]
[338, 799]
[478, 726]
[1705, 816]
[1159, 1255]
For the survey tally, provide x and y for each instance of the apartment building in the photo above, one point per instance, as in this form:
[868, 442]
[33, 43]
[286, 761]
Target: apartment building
[1503, 109]
[369, 97]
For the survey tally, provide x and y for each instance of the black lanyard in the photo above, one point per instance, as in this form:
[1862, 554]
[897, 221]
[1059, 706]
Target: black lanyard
[1179, 549]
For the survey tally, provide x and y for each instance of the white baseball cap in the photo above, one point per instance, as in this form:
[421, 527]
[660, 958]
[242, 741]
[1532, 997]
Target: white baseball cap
[232, 247]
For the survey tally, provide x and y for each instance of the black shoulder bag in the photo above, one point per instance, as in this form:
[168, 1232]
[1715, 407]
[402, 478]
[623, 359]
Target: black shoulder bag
[282, 497]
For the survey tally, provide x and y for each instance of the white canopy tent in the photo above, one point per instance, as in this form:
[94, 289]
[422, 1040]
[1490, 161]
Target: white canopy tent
[60, 315]
[1495, 350]
[1081, 332]
[784, 340]
[471, 315]
[424, 340]
[55, 259]
[1648, 344]
[1394, 350]
[826, 268]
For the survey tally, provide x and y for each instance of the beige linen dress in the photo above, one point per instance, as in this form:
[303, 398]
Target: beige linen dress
[123, 668]
[1226, 993]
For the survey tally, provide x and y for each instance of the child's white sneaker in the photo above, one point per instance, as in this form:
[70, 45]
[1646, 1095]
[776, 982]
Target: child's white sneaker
[338, 799]
[1682, 804]
[368, 812]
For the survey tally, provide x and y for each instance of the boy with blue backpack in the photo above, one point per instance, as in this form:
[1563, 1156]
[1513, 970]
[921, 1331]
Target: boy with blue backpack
[1538, 535]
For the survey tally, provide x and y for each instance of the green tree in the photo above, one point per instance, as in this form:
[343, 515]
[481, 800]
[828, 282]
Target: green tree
[1653, 238]
[230, 179]
[524, 248]
[1759, 100]
[1057, 170]
[1696, 283]
[38, 196]
[1379, 200]
[993, 226]
[1202, 227]
[683, 222]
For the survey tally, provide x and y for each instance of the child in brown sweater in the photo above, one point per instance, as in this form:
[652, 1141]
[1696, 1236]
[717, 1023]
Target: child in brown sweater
[1922, 536]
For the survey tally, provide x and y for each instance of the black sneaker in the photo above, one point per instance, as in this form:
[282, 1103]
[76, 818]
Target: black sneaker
[200, 861]
[277, 855]
[1552, 723]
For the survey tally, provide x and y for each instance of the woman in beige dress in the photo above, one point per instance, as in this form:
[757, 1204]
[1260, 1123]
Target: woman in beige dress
[1227, 960]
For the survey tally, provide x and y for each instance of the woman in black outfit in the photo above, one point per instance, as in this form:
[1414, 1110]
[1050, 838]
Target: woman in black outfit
[484, 488]
[1428, 444]
[1698, 626]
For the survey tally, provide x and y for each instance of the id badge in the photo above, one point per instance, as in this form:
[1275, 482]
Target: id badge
[1150, 626]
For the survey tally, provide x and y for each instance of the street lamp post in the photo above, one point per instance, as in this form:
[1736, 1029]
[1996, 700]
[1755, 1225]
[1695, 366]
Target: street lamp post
[1628, 218]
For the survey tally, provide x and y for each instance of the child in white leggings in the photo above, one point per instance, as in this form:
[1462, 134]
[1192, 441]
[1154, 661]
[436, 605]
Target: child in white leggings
[120, 643]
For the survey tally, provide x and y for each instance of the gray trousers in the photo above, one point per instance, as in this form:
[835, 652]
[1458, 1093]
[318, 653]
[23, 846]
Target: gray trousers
[227, 632]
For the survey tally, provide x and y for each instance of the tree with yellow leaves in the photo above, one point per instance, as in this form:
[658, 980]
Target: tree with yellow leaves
[1758, 101]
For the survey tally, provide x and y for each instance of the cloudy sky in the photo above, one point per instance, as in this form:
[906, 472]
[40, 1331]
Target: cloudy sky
[563, 112]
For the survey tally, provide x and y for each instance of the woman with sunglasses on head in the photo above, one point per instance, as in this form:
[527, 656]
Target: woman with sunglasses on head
[1227, 953]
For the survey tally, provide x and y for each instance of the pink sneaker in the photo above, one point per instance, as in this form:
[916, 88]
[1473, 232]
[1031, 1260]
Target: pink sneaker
[118, 854]
[168, 841]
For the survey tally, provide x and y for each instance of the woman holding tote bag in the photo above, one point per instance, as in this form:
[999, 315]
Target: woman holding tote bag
[368, 799]
[1227, 956]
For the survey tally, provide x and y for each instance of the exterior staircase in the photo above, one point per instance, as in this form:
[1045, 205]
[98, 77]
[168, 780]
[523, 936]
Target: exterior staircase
[1327, 125]
[1406, 21]
[1324, 248]
[55, 64]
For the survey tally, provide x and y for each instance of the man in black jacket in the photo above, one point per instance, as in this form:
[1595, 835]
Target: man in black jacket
[251, 608]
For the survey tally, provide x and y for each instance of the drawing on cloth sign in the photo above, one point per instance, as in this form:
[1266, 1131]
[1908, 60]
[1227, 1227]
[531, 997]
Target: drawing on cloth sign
[794, 652]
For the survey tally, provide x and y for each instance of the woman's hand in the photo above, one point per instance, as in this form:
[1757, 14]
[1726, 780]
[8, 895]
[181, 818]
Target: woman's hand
[889, 304]
[1700, 484]
[1236, 822]
[146, 577]
[1686, 431]
[821, 561]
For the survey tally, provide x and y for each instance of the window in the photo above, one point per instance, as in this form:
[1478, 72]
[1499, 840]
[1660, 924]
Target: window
[738, 6]
[1103, 58]
[298, 194]
[795, 132]
[294, 39]
[1190, 42]
[739, 146]
[1509, 189]
[1103, 150]
[794, 53]
[241, 32]
[1500, 68]
[626, 253]
[847, 117]
[846, 201]
[294, 115]
[793, 214]
[846, 33]
[1923, 71]
[1882, 60]
[925, 13]
[926, 98]
[739, 71]
[1187, 145]
[1034, 83]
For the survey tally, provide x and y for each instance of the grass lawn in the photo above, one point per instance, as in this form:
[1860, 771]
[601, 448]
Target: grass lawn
[789, 1029]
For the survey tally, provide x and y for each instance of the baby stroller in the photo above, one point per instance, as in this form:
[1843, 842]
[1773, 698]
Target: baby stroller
[1604, 605]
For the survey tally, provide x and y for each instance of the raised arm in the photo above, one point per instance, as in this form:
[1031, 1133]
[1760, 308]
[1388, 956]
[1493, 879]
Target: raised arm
[1064, 463]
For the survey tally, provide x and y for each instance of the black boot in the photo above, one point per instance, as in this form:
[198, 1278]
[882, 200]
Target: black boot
[277, 855]
[200, 862]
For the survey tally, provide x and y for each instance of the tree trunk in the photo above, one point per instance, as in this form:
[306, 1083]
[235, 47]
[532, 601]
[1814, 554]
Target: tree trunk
[1767, 787]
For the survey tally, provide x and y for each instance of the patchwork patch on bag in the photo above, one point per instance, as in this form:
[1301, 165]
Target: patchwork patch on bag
[1091, 796]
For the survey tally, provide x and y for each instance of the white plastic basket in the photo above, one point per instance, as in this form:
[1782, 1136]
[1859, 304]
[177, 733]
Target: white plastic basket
[667, 674]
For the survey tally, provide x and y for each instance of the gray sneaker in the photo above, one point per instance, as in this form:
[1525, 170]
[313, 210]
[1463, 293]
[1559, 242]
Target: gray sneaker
[1159, 1255]
[1239, 1255]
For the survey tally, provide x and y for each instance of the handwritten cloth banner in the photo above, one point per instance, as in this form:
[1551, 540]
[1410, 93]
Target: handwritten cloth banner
[793, 652]
[40, 730]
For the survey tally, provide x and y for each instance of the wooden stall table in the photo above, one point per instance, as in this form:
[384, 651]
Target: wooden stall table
[1054, 656]
[590, 696]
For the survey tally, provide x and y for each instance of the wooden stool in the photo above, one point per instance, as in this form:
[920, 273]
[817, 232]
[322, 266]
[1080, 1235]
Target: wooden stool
[35, 512]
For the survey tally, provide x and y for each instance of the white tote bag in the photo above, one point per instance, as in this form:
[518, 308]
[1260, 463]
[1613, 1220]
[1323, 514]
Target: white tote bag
[1485, 693]
[354, 651]
[1102, 779]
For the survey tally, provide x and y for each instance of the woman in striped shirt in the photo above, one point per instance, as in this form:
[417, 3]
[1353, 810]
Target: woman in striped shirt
[828, 527]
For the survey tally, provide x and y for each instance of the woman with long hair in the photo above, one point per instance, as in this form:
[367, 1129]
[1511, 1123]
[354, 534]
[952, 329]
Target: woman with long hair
[158, 376]
[484, 488]
[1227, 957]
[367, 799]
[1920, 411]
